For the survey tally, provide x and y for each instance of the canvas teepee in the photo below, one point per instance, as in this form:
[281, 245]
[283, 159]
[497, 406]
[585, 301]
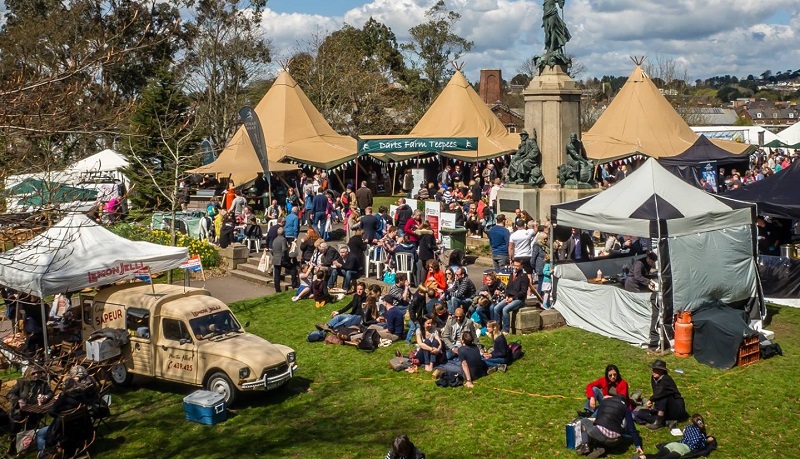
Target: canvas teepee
[294, 130]
[640, 120]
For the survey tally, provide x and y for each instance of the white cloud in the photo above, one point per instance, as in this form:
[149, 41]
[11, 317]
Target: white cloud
[709, 37]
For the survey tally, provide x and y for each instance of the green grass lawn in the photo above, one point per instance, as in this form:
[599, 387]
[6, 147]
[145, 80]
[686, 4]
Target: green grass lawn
[345, 403]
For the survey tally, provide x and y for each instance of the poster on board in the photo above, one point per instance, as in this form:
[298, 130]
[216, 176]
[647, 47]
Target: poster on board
[432, 212]
[419, 179]
[709, 172]
[447, 220]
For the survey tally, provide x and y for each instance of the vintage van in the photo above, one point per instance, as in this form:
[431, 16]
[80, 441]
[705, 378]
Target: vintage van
[188, 336]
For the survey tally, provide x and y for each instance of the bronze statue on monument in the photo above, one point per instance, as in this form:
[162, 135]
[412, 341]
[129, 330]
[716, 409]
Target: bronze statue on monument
[526, 165]
[578, 170]
[556, 36]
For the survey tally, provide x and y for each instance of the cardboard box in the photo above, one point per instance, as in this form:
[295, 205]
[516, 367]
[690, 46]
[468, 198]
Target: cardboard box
[100, 349]
[205, 407]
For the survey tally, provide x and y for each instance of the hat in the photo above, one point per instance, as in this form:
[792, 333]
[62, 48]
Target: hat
[349, 186]
[659, 365]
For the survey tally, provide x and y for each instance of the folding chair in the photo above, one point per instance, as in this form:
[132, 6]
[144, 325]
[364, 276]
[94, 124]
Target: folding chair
[375, 257]
[253, 244]
[405, 264]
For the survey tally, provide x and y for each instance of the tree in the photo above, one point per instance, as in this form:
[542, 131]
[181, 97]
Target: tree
[161, 142]
[228, 53]
[357, 79]
[70, 71]
[521, 79]
[435, 46]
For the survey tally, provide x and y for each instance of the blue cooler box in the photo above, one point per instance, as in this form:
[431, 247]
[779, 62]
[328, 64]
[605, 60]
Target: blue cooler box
[205, 407]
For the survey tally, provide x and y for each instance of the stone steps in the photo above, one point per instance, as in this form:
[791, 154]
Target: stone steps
[259, 278]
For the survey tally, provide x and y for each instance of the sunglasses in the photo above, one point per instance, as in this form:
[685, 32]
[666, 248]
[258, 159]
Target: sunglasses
[612, 375]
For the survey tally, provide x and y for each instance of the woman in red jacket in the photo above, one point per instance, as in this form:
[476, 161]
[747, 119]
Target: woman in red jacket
[608, 386]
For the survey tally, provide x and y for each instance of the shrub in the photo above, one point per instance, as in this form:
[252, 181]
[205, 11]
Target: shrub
[209, 255]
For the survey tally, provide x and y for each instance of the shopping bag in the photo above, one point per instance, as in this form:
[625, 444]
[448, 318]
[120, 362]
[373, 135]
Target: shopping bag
[328, 225]
[263, 263]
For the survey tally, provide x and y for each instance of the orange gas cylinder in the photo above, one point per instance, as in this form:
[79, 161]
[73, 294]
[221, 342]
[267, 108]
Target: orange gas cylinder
[683, 334]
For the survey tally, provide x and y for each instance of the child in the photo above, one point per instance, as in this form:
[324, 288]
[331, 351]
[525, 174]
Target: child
[319, 288]
[547, 283]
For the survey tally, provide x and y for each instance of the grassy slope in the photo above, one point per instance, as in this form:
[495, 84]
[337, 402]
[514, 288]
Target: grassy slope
[346, 403]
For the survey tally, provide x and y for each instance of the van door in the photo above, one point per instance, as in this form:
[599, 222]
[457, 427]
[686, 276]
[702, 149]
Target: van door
[176, 352]
[139, 354]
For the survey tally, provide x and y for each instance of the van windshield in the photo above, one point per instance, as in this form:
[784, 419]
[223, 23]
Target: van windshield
[215, 324]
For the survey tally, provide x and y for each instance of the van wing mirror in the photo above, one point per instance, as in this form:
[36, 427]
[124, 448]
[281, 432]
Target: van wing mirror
[184, 341]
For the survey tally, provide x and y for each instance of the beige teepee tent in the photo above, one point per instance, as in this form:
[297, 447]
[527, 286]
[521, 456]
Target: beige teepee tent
[294, 130]
[640, 120]
[460, 112]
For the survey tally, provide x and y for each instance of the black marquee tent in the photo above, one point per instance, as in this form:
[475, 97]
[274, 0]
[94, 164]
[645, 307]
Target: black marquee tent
[706, 247]
[777, 195]
[688, 164]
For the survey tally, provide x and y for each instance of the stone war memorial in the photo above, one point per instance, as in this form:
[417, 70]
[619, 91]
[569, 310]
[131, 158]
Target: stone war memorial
[550, 166]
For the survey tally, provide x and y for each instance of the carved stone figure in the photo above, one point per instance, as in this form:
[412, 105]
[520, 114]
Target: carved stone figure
[525, 167]
[556, 36]
[578, 168]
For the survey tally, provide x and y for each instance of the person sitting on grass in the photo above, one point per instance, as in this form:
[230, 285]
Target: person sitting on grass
[694, 440]
[440, 311]
[402, 448]
[666, 403]
[416, 311]
[609, 428]
[401, 291]
[319, 288]
[395, 325]
[341, 318]
[454, 329]
[429, 343]
[497, 359]
[606, 387]
[305, 278]
[472, 366]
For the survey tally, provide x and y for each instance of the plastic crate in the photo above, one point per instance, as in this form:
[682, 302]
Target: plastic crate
[749, 351]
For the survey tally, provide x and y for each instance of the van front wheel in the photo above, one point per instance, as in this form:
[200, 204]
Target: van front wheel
[120, 375]
[221, 384]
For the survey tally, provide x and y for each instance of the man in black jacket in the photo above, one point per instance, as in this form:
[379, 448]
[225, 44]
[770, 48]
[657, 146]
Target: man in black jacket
[516, 294]
[402, 214]
[612, 422]
[666, 403]
[348, 268]
[370, 224]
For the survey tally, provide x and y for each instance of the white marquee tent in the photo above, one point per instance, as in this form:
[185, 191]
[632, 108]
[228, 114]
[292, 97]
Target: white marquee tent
[77, 253]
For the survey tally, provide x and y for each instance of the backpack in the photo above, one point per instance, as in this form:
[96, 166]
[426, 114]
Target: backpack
[515, 351]
[211, 210]
[450, 379]
[370, 340]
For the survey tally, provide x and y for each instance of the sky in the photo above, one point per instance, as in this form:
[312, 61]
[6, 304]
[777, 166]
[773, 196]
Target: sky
[704, 37]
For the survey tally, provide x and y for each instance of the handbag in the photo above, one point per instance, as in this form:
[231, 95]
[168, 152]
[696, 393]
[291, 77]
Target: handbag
[25, 440]
[263, 263]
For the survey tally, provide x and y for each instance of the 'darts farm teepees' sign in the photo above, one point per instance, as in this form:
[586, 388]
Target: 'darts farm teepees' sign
[366, 147]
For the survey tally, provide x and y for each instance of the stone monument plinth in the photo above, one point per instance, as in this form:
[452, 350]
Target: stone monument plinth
[553, 110]
[513, 196]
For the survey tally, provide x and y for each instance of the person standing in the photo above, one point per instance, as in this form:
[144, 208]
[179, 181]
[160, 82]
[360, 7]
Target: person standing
[519, 245]
[498, 241]
[408, 183]
[363, 197]
[402, 214]
[319, 209]
[281, 259]
[371, 226]
[238, 204]
[292, 225]
[579, 246]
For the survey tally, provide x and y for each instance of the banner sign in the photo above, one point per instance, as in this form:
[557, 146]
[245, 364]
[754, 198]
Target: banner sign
[256, 134]
[432, 211]
[427, 144]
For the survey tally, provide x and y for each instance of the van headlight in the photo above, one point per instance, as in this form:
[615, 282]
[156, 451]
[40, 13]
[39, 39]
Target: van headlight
[290, 357]
[244, 372]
